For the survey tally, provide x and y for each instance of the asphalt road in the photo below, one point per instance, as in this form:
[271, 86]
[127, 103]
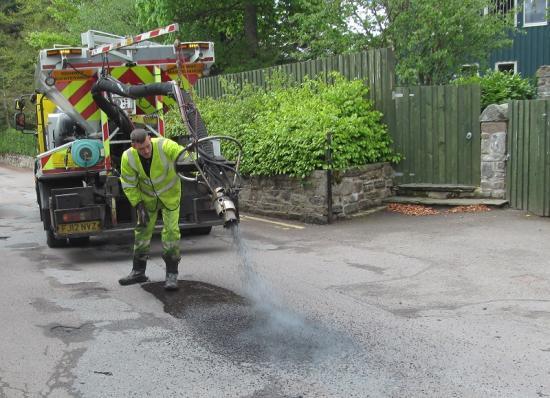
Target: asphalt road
[453, 305]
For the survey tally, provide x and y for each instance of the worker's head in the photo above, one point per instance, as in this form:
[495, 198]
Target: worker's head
[142, 142]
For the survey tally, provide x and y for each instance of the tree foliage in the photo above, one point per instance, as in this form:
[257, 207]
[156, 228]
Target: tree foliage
[16, 57]
[451, 33]
[69, 18]
[29, 25]
[433, 38]
[251, 34]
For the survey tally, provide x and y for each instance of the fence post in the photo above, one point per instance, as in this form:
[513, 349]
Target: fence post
[329, 178]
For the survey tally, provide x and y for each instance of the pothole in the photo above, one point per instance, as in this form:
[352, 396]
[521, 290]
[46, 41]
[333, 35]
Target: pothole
[70, 333]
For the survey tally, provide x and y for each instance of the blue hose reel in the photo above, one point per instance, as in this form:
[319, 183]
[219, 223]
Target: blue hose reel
[86, 153]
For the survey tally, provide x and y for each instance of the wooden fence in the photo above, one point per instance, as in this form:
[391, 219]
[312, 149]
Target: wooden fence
[436, 128]
[438, 133]
[528, 166]
[375, 67]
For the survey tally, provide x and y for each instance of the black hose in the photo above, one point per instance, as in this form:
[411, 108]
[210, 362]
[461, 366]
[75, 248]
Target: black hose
[215, 170]
[113, 86]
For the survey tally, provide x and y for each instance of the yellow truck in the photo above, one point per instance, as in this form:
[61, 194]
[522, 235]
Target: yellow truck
[88, 99]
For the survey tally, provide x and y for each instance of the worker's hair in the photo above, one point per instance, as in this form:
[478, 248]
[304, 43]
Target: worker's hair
[138, 136]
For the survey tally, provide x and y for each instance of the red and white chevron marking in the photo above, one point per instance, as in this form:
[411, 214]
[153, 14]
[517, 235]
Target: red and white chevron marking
[136, 39]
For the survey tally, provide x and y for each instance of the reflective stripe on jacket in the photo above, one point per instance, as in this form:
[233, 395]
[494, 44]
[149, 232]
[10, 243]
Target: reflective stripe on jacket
[162, 181]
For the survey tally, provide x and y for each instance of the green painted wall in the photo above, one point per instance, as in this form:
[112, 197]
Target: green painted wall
[530, 49]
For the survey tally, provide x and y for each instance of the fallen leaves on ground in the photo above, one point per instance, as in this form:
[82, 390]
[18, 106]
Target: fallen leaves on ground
[469, 209]
[422, 210]
[412, 210]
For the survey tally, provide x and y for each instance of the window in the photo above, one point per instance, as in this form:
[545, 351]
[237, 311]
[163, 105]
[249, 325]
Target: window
[508, 66]
[468, 70]
[503, 7]
[534, 12]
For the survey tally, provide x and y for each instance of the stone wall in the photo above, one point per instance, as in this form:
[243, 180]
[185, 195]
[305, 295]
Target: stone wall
[17, 160]
[361, 188]
[543, 77]
[494, 122]
[306, 200]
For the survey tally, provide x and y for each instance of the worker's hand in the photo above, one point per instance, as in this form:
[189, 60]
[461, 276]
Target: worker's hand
[142, 215]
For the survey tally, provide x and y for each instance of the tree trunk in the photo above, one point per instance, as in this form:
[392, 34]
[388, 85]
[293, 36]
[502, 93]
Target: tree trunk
[251, 27]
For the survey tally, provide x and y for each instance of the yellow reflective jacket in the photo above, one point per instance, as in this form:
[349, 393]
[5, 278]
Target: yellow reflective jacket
[163, 182]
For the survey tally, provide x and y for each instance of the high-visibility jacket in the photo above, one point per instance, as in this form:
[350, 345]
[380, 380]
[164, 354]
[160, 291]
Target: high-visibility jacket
[162, 183]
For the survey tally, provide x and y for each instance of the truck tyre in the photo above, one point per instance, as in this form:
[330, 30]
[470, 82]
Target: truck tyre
[54, 242]
[82, 241]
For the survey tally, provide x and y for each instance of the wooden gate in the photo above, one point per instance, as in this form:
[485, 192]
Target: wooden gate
[528, 166]
[437, 131]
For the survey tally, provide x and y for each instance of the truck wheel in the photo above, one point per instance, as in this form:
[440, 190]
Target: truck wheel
[54, 242]
[82, 241]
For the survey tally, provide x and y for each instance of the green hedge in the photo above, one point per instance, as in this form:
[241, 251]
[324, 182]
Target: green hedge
[498, 87]
[15, 142]
[284, 130]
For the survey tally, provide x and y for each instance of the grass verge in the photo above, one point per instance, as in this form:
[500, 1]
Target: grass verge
[15, 142]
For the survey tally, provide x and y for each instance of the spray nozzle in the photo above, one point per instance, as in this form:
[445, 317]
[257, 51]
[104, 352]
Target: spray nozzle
[225, 208]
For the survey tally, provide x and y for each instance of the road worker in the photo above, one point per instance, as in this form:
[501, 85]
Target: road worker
[150, 182]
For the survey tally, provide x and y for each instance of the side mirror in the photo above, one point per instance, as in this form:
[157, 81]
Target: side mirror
[20, 121]
[19, 105]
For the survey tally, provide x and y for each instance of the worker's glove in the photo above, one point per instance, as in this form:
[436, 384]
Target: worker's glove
[142, 215]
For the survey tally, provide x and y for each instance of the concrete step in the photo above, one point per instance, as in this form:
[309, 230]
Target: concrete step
[437, 187]
[436, 191]
[445, 202]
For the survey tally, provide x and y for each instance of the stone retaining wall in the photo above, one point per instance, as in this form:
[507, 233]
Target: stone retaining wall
[306, 200]
[17, 160]
[353, 191]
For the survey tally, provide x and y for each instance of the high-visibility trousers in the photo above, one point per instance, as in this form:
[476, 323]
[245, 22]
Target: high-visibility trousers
[170, 233]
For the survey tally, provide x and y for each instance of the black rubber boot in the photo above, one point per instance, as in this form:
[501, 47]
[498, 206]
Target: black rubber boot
[171, 282]
[137, 275]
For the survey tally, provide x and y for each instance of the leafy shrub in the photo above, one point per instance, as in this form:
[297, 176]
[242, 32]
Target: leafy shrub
[284, 130]
[15, 142]
[498, 87]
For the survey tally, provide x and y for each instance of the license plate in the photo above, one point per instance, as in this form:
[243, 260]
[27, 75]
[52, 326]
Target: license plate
[79, 228]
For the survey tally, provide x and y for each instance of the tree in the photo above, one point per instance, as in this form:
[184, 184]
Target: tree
[433, 38]
[322, 29]
[29, 25]
[16, 58]
[251, 34]
[69, 18]
[237, 27]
